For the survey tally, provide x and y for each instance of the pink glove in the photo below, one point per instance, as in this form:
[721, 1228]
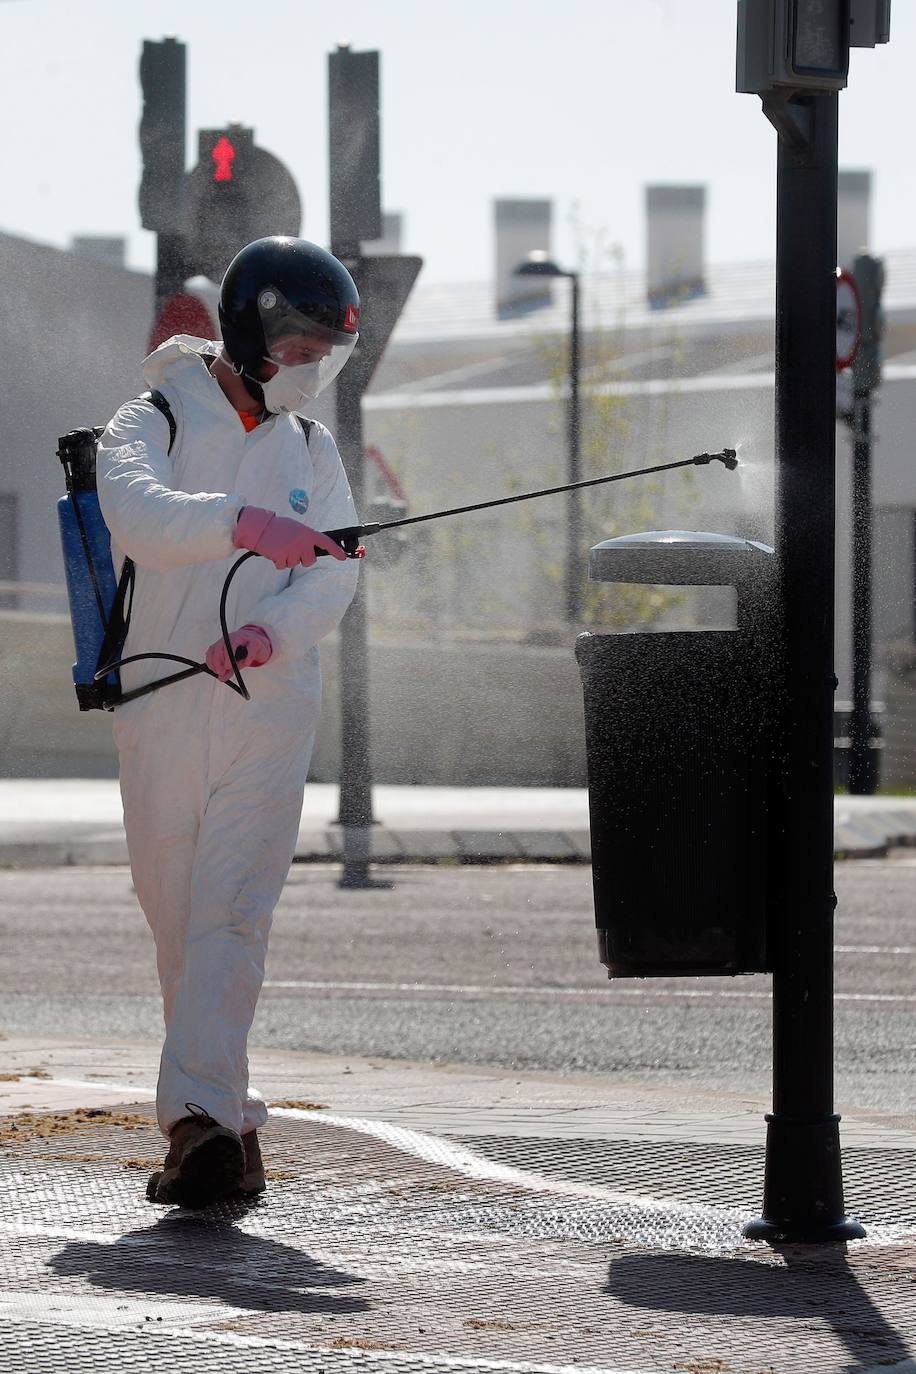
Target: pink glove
[285, 542]
[252, 638]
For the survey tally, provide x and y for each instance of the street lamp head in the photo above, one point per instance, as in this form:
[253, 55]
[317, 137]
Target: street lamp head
[537, 264]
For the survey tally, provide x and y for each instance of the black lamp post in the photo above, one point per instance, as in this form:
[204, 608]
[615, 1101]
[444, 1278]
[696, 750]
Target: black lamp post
[538, 264]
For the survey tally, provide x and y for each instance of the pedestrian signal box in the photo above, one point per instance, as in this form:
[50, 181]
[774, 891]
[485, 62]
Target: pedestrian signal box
[238, 192]
[803, 45]
[792, 45]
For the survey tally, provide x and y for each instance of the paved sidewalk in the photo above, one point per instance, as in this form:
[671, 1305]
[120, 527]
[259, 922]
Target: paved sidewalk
[53, 821]
[426, 1218]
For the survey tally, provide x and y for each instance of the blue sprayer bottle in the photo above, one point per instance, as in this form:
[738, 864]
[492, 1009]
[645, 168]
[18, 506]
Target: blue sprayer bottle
[91, 583]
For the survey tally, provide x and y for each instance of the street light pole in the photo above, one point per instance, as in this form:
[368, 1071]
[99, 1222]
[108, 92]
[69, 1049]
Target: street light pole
[574, 506]
[537, 264]
[803, 1184]
[794, 55]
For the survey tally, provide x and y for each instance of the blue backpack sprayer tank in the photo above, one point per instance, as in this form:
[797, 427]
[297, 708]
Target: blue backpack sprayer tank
[100, 603]
[91, 585]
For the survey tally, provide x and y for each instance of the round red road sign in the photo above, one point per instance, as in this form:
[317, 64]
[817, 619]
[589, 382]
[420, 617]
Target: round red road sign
[182, 314]
[848, 319]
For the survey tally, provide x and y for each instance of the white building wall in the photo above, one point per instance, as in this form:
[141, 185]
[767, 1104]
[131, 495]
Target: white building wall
[72, 335]
[507, 562]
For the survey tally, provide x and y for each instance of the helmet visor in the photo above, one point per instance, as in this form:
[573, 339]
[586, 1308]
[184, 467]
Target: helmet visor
[309, 353]
[293, 337]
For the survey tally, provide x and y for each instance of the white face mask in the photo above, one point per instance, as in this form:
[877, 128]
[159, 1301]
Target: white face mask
[291, 387]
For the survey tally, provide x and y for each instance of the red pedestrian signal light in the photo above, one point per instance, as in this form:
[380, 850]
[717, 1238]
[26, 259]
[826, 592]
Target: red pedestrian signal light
[236, 193]
[223, 156]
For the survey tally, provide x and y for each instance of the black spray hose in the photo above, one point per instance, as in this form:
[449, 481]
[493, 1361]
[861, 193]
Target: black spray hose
[348, 539]
[234, 658]
[193, 668]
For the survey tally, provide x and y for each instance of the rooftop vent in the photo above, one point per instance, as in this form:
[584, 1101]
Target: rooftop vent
[674, 257]
[522, 227]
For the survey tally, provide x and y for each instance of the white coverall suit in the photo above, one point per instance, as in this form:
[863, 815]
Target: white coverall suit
[212, 784]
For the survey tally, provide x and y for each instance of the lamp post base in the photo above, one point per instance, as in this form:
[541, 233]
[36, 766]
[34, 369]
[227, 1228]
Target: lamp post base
[803, 1185]
[802, 1232]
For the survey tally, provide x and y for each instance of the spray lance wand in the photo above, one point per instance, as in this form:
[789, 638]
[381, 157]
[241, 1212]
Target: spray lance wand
[349, 537]
[349, 540]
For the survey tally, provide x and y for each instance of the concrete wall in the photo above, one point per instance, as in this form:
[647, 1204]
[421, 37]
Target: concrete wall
[42, 732]
[459, 713]
[442, 713]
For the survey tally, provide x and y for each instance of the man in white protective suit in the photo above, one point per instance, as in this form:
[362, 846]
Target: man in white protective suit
[212, 784]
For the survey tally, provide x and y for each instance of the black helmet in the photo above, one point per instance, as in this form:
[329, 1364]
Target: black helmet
[279, 288]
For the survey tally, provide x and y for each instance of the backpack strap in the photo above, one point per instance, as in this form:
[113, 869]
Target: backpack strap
[119, 617]
[308, 428]
[157, 399]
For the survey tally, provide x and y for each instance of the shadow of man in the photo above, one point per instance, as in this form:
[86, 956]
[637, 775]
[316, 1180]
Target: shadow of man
[815, 1283]
[186, 1255]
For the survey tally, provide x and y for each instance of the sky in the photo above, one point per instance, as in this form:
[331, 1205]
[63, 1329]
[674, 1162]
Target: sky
[584, 102]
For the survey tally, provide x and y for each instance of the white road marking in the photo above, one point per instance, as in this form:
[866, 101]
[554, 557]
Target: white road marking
[458, 1159]
[874, 949]
[615, 990]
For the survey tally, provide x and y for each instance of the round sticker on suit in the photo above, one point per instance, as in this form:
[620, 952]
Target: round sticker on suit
[299, 500]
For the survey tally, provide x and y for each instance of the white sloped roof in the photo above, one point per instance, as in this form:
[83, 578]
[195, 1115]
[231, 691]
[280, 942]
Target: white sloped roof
[737, 294]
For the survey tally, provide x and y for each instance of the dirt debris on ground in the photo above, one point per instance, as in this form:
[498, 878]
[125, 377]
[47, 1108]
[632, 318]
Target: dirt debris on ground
[300, 1104]
[29, 1126]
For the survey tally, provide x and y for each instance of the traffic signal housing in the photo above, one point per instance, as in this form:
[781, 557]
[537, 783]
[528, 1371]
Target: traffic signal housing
[354, 149]
[162, 135]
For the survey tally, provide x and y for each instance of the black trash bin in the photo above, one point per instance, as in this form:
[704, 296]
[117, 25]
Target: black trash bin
[678, 733]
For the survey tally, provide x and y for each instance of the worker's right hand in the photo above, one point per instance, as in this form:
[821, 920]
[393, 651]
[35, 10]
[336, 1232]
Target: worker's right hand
[251, 645]
[285, 542]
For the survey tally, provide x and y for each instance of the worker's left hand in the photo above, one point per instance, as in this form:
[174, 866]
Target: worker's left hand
[252, 638]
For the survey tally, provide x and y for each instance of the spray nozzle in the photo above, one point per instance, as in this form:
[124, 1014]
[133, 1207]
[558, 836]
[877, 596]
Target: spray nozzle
[728, 456]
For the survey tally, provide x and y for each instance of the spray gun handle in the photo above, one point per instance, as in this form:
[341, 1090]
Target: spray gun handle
[349, 539]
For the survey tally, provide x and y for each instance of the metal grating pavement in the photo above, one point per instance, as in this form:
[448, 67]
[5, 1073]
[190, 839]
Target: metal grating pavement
[382, 1248]
[879, 1185]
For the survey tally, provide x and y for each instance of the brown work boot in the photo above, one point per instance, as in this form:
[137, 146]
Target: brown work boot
[253, 1180]
[206, 1161]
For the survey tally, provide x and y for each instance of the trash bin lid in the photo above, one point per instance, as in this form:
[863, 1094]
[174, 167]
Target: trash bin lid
[679, 557]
